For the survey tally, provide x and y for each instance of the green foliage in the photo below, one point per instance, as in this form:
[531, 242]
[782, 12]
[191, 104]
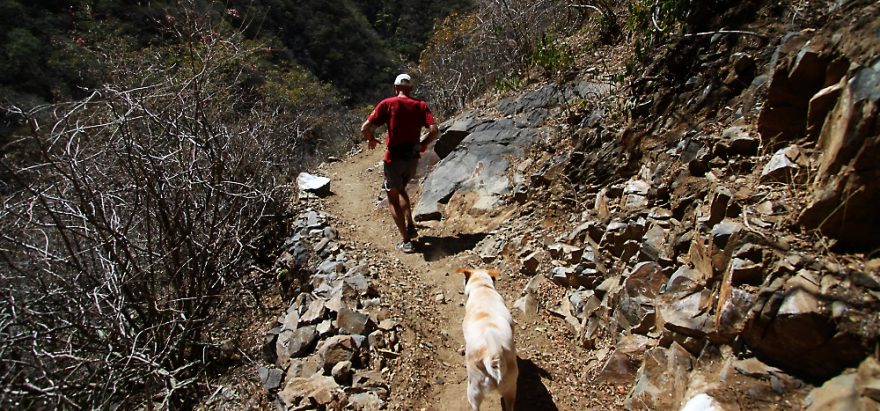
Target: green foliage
[510, 83]
[651, 22]
[552, 55]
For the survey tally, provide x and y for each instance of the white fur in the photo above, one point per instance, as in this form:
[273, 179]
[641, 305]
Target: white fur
[490, 353]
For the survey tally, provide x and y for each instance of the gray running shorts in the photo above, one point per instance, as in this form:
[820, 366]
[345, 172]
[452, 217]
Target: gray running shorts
[399, 172]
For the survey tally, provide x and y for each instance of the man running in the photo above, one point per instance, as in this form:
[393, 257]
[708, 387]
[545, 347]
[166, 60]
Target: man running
[405, 117]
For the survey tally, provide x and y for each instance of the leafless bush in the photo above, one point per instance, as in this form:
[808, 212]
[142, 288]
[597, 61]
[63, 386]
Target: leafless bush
[470, 53]
[133, 211]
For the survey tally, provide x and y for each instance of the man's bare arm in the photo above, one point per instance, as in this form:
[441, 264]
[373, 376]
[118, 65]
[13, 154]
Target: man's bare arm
[433, 132]
[368, 130]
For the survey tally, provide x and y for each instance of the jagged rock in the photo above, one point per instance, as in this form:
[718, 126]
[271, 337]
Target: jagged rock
[315, 312]
[331, 267]
[270, 354]
[453, 131]
[685, 313]
[637, 300]
[294, 343]
[352, 322]
[342, 295]
[736, 140]
[491, 248]
[746, 272]
[336, 349]
[635, 194]
[868, 379]
[782, 166]
[847, 185]
[313, 220]
[357, 281]
[366, 401]
[618, 233]
[789, 329]
[836, 394]
[623, 364]
[820, 105]
[313, 184]
[722, 232]
[662, 379]
[529, 264]
[654, 246]
[324, 327]
[566, 252]
[718, 208]
[270, 378]
[560, 275]
[302, 368]
[684, 279]
[528, 304]
[794, 81]
[317, 389]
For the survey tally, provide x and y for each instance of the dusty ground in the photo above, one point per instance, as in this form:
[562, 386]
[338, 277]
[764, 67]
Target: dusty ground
[422, 292]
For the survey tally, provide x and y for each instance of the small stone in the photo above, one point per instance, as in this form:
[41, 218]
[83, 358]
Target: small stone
[313, 184]
[341, 372]
[352, 322]
[781, 167]
[270, 378]
[529, 264]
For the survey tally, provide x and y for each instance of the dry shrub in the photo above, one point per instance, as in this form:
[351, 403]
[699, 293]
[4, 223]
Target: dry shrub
[470, 53]
[129, 214]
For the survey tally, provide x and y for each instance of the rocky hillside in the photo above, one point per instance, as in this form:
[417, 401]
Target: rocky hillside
[705, 232]
[724, 230]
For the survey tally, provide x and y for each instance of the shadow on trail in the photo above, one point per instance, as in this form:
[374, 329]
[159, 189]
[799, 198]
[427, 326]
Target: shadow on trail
[531, 394]
[435, 248]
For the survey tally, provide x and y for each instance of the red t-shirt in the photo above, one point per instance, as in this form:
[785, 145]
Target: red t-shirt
[405, 117]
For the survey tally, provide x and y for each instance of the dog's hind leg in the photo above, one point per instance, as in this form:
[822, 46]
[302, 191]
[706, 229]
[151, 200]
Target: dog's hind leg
[508, 400]
[475, 396]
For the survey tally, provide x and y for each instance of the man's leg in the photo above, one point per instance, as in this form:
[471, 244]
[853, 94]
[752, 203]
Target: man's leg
[397, 210]
[406, 205]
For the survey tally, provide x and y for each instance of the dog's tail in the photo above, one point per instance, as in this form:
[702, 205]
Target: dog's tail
[493, 368]
[492, 362]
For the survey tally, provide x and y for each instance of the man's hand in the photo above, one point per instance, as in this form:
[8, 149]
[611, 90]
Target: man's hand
[426, 141]
[368, 129]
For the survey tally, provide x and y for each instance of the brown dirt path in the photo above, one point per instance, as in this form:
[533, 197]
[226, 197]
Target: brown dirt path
[422, 292]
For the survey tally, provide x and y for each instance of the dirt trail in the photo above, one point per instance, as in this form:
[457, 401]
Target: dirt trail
[423, 293]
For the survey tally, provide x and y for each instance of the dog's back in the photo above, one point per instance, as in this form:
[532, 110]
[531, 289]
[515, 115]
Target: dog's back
[490, 351]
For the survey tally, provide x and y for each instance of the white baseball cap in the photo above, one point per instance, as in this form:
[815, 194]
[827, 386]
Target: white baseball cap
[403, 79]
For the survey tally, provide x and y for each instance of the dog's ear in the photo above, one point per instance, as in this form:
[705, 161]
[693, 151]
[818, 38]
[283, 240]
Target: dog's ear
[493, 273]
[467, 273]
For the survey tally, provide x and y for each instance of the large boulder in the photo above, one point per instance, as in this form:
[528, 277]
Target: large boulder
[478, 165]
[847, 185]
[636, 309]
[662, 379]
[790, 328]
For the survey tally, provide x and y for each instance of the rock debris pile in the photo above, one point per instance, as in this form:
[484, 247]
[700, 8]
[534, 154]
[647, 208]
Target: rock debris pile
[332, 348]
